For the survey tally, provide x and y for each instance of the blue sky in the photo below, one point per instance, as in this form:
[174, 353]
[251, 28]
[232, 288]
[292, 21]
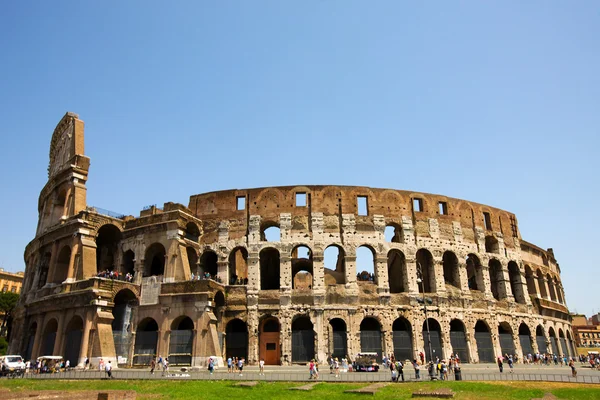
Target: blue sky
[495, 102]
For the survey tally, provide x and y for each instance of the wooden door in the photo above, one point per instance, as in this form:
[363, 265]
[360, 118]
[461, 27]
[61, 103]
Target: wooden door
[269, 347]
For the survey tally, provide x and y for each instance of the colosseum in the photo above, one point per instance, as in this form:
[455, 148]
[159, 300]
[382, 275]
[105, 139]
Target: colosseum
[283, 274]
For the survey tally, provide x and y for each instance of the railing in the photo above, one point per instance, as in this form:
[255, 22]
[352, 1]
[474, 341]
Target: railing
[103, 211]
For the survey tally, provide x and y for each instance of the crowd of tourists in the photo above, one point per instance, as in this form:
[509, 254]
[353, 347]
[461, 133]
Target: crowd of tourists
[205, 276]
[110, 274]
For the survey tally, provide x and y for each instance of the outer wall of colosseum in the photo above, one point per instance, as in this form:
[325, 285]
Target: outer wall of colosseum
[283, 275]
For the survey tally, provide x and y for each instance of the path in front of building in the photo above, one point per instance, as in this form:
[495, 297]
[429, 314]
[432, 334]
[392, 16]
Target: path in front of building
[469, 372]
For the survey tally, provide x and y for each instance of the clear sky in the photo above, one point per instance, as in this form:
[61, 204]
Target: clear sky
[496, 102]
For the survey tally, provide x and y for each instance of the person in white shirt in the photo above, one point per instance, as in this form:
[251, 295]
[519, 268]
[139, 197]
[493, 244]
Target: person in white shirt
[108, 369]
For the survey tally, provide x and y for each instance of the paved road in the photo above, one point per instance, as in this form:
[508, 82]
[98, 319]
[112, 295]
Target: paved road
[471, 372]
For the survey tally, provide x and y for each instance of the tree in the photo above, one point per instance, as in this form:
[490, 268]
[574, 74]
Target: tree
[8, 302]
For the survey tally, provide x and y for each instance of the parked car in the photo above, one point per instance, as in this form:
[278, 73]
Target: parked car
[366, 362]
[11, 364]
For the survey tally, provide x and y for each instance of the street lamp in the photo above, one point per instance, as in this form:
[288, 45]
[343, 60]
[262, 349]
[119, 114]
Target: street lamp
[424, 301]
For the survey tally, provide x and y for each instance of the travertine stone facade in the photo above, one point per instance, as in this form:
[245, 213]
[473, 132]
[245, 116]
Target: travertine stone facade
[283, 275]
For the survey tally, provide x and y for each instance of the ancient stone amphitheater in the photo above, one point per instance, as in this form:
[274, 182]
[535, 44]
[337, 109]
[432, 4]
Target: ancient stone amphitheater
[281, 273]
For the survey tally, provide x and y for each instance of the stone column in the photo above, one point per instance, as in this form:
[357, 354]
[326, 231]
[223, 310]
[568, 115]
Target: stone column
[222, 271]
[517, 344]
[487, 285]
[59, 336]
[321, 339]
[164, 332]
[286, 338]
[505, 290]
[318, 277]
[195, 347]
[253, 335]
[75, 244]
[85, 338]
[138, 269]
[440, 285]
[495, 340]
[52, 264]
[471, 345]
[381, 274]
[285, 277]
[350, 262]
[545, 283]
[253, 271]
[37, 341]
[131, 350]
[411, 276]
[463, 278]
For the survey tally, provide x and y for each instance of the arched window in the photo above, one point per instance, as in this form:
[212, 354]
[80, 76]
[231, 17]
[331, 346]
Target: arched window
[208, 264]
[542, 284]
[270, 232]
[335, 265]
[269, 269]
[530, 278]
[154, 263]
[491, 245]
[425, 265]
[474, 273]
[397, 271]
[393, 233]
[515, 282]
[107, 247]
[495, 277]
[61, 268]
[451, 269]
[458, 339]
[302, 268]
[365, 264]
[238, 266]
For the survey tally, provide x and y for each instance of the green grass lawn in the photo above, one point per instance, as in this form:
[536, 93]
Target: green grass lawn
[217, 390]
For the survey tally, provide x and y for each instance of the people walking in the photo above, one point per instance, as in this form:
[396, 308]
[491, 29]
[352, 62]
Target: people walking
[108, 369]
[573, 369]
[261, 367]
[152, 366]
[400, 368]
[510, 364]
[500, 365]
[211, 365]
[417, 368]
[336, 367]
[241, 365]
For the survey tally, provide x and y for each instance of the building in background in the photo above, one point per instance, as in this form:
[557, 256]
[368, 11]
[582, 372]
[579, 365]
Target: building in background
[586, 331]
[11, 281]
[276, 273]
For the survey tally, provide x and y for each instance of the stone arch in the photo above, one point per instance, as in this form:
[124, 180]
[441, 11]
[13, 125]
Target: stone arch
[236, 339]
[61, 268]
[268, 340]
[129, 262]
[397, 275]
[146, 339]
[334, 258]
[303, 339]
[525, 339]
[451, 269]
[73, 335]
[495, 277]
[269, 269]
[154, 260]
[107, 247]
[338, 344]
[558, 289]
[572, 351]
[515, 282]
[563, 342]
[474, 273]
[49, 337]
[44, 268]
[458, 340]
[181, 341]
[370, 337]
[125, 302]
[553, 341]
[219, 299]
[425, 264]
[192, 256]
[365, 263]
[192, 232]
[551, 287]
[492, 245]
[530, 279]
[505, 336]
[208, 265]
[302, 267]
[270, 231]
[238, 266]
[485, 346]
[393, 233]
[542, 284]
[540, 338]
[432, 337]
[402, 339]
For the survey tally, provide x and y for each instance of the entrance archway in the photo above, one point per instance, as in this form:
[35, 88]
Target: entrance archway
[525, 340]
[436, 339]
[402, 338]
[338, 344]
[268, 339]
[236, 339]
[303, 340]
[123, 310]
[181, 341]
[146, 338]
[49, 337]
[370, 337]
[507, 345]
[563, 343]
[540, 339]
[458, 340]
[74, 332]
[553, 341]
[485, 347]
[396, 271]
[30, 339]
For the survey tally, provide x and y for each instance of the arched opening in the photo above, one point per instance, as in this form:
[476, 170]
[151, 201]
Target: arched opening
[125, 304]
[559, 293]
[553, 341]
[236, 339]
[365, 264]
[563, 343]
[397, 271]
[129, 262]
[269, 269]
[507, 345]
[474, 273]
[402, 338]
[393, 233]
[270, 233]
[58, 207]
[542, 284]
[192, 257]
[107, 247]
[495, 277]
[335, 265]
[458, 340]
[269, 347]
[302, 268]
[451, 269]
[219, 299]
[44, 268]
[571, 346]
[530, 279]
[154, 262]
[485, 347]
[181, 340]
[433, 339]
[73, 335]
[339, 340]
[540, 339]
[525, 340]
[370, 337]
[425, 264]
[208, 265]
[61, 268]
[49, 338]
[551, 287]
[192, 232]
[491, 245]
[238, 266]
[30, 340]
[515, 282]
[146, 338]
[303, 340]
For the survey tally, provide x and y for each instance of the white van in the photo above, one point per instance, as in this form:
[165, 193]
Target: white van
[11, 363]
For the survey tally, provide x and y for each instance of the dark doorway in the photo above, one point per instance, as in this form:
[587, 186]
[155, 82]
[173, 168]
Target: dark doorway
[236, 339]
[303, 340]
[401, 331]
[436, 339]
[370, 337]
[485, 347]
[458, 340]
[340, 340]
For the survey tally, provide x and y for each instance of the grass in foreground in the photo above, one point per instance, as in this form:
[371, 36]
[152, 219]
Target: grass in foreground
[174, 390]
